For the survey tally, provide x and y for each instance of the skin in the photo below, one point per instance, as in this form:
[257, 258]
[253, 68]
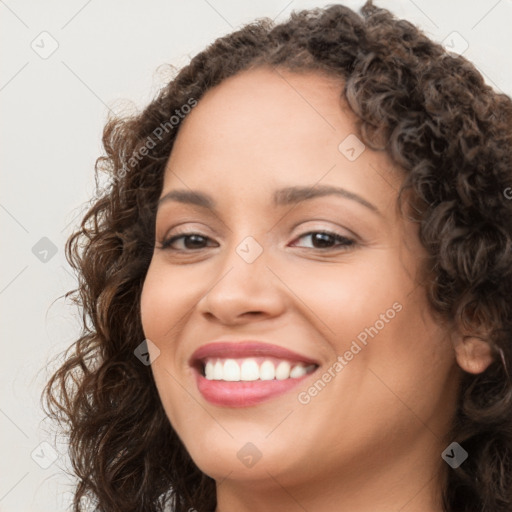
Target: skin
[372, 438]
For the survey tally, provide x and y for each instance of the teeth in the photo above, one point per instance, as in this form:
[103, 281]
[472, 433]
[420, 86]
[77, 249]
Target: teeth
[231, 371]
[248, 370]
[218, 371]
[209, 371]
[283, 370]
[298, 371]
[267, 370]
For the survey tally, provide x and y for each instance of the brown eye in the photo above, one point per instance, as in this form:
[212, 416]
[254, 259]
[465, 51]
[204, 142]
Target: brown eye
[326, 240]
[188, 241]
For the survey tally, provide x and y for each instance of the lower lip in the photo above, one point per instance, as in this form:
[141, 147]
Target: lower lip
[244, 394]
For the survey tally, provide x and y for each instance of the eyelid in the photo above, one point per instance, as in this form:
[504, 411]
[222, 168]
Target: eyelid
[342, 242]
[322, 225]
[191, 228]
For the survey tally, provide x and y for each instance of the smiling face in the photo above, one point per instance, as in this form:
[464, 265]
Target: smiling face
[292, 241]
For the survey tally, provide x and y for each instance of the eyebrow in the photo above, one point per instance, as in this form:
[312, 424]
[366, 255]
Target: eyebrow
[282, 197]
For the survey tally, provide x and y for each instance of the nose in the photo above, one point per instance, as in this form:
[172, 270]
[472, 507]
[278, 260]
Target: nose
[243, 290]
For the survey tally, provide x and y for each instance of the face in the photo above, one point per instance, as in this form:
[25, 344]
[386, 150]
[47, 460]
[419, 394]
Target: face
[289, 329]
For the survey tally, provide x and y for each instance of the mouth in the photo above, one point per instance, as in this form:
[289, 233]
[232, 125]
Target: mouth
[247, 373]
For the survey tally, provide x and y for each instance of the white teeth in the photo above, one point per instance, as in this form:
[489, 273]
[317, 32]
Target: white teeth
[231, 371]
[283, 370]
[209, 370]
[298, 371]
[267, 370]
[218, 371]
[248, 370]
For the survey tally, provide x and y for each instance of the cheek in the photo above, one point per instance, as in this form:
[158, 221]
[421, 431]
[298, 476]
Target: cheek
[342, 300]
[375, 315]
[165, 300]
[163, 303]
[406, 363]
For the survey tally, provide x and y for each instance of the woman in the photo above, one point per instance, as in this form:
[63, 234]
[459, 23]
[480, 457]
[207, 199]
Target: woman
[296, 289]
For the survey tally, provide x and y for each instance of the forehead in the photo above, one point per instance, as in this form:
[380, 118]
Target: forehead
[263, 101]
[266, 128]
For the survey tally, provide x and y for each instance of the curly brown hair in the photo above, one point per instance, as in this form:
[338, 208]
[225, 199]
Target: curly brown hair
[440, 123]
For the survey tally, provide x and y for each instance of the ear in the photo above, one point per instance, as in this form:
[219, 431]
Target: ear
[473, 354]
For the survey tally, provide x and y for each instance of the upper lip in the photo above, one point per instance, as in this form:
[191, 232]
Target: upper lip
[246, 348]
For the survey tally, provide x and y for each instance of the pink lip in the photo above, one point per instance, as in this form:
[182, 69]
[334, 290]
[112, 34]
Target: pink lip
[243, 394]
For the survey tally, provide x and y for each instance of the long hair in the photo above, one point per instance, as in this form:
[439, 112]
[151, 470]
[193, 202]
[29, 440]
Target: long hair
[432, 113]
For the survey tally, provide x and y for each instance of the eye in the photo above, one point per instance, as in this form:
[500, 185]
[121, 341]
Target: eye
[195, 241]
[187, 241]
[326, 240]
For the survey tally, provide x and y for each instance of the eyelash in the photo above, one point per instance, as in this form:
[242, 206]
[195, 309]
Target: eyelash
[345, 242]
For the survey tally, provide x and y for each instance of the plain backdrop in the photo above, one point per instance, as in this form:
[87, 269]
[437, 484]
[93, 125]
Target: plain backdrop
[64, 65]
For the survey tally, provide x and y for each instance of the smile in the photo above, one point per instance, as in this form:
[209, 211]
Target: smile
[247, 373]
[251, 369]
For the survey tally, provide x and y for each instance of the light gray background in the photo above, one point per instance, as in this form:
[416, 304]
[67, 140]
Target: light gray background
[52, 113]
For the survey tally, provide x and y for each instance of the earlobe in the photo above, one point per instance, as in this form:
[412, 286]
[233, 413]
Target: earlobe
[474, 355]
